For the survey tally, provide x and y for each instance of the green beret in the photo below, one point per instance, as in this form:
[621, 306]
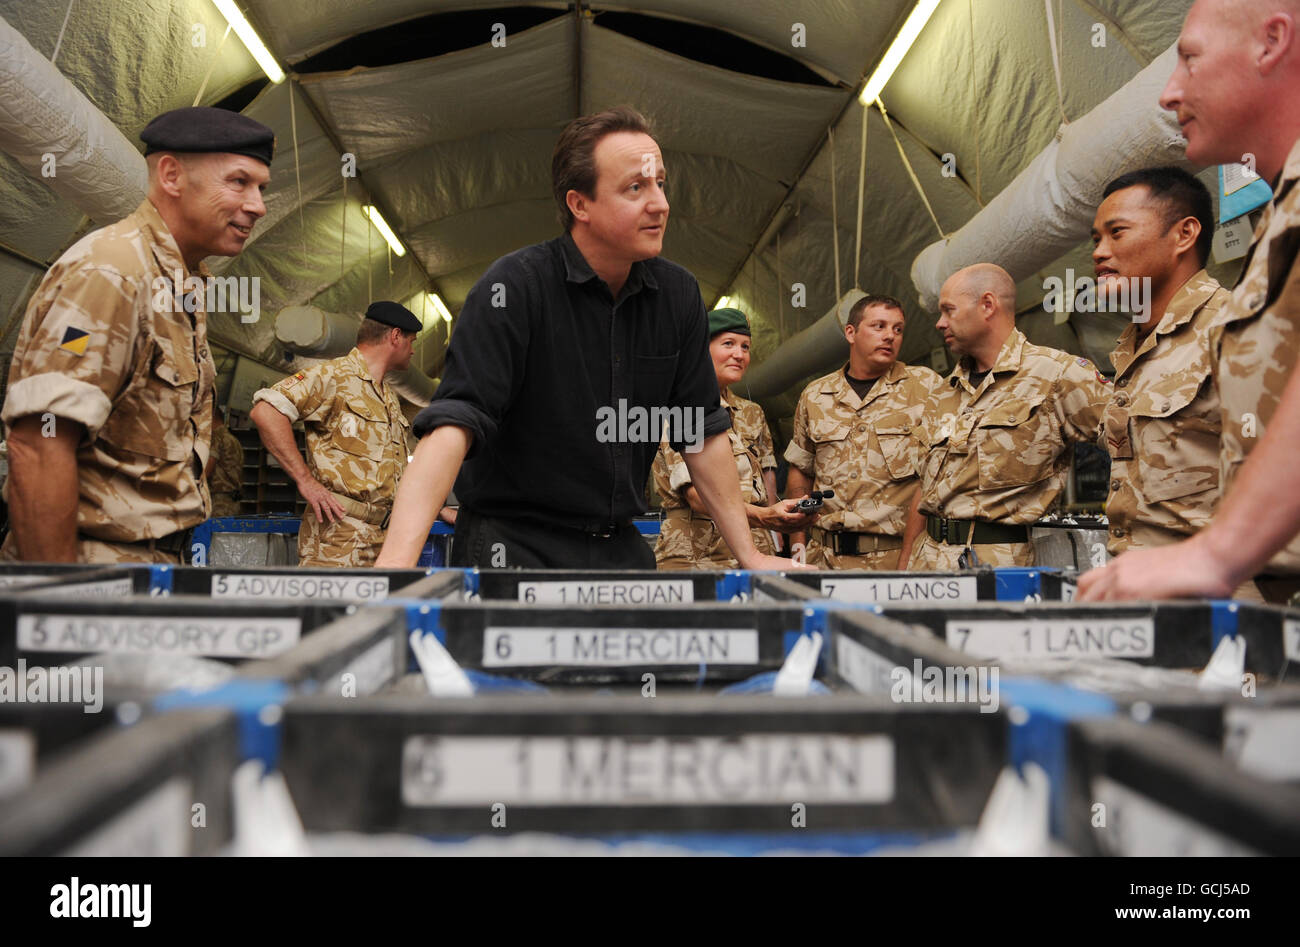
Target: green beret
[395, 315]
[727, 320]
[205, 129]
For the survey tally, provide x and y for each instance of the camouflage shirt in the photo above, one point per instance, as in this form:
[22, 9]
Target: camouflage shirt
[1161, 426]
[687, 538]
[862, 448]
[1261, 336]
[106, 342]
[996, 452]
[358, 439]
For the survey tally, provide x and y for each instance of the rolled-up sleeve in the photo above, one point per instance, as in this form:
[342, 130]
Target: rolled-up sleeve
[486, 357]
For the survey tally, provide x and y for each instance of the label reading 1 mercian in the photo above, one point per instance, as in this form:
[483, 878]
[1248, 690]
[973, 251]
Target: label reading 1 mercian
[963, 589]
[609, 592]
[346, 588]
[617, 647]
[151, 634]
[753, 769]
[1054, 638]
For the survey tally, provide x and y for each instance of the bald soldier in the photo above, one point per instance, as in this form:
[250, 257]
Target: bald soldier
[1236, 90]
[1161, 424]
[358, 439]
[852, 435]
[993, 438]
[109, 407]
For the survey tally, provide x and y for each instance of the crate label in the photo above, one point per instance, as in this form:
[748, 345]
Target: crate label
[159, 634]
[1264, 741]
[867, 671]
[902, 590]
[609, 592]
[1139, 826]
[17, 760]
[1069, 590]
[157, 825]
[371, 670]
[751, 769]
[1291, 639]
[16, 579]
[102, 588]
[1094, 637]
[342, 588]
[617, 647]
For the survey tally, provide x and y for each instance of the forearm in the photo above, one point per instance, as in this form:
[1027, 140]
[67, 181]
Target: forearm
[756, 515]
[912, 529]
[1261, 512]
[43, 491]
[713, 474]
[276, 432]
[797, 485]
[423, 490]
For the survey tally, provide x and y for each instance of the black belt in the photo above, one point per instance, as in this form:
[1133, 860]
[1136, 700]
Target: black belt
[843, 543]
[954, 532]
[603, 530]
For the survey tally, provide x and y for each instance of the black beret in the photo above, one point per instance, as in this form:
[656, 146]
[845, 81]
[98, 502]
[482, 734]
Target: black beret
[204, 129]
[395, 315]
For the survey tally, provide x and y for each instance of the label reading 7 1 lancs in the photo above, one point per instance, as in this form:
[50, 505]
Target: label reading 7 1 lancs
[609, 592]
[1095, 637]
[902, 590]
[204, 636]
[617, 647]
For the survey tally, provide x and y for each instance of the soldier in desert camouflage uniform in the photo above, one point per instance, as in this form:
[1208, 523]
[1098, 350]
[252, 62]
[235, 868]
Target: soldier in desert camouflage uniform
[688, 537]
[225, 469]
[1235, 94]
[852, 435]
[110, 390]
[993, 440]
[358, 439]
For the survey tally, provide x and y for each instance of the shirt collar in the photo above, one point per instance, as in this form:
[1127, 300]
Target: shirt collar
[1290, 173]
[359, 363]
[1008, 360]
[161, 242]
[1189, 299]
[578, 270]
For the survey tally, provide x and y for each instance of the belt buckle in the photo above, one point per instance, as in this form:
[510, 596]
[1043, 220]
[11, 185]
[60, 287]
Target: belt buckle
[949, 529]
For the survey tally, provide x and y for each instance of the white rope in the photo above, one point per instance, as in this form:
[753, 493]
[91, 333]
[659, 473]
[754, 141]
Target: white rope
[59, 42]
[835, 217]
[908, 165]
[975, 112]
[343, 240]
[297, 172]
[780, 293]
[198, 97]
[1056, 58]
[862, 188]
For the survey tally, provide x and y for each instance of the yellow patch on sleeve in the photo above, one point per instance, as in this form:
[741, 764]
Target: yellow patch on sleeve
[75, 341]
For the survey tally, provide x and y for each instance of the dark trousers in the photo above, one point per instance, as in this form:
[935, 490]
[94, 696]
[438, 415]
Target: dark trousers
[491, 543]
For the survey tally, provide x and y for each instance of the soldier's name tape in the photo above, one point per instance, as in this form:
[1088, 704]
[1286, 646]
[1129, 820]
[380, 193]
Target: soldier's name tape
[138, 634]
[609, 592]
[753, 769]
[1138, 825]
[1053, 638]
[338, 588]
[617, 647]
[894, 591]
[1291, 639]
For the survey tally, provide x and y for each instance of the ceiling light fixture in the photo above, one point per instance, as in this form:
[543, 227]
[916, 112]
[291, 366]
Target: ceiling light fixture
[920, 15]
[239, 23]
[440, 307]
[376, 218]
[724, 303]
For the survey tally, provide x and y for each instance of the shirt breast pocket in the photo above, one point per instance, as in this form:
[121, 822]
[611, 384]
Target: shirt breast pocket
[899, 450]
[359, 428]
[153, 416]
[1017, 444]
[652, 379]
[1176, 439]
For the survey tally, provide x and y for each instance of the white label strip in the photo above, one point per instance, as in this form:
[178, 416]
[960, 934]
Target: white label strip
[609, 592]
[755, 769]
[1291, 639]
[902, 590]
[1069, 590]
[1093, 637]
[16, 579]
[158, 634]
[370, 670]
[345, 588]
[617, 647]
[1264, 741]
[157, 825]
[17, 760]
[867, 671]
[1139, 826]
[106, 588]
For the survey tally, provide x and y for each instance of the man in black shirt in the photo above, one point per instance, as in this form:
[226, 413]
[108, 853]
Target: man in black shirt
[569, 359]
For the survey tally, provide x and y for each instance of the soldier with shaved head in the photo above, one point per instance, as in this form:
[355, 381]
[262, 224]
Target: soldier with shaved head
[1236, 91]
[993, 437]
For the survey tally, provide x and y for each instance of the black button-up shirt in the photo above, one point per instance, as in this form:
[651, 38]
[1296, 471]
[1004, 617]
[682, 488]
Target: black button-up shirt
[551, 375]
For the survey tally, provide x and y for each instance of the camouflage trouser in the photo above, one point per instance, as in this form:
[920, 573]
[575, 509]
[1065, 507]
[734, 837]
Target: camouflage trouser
[689, 541]
[930, 556]
[819, 555]
[346, 543]
[224, 504]
[98, 552]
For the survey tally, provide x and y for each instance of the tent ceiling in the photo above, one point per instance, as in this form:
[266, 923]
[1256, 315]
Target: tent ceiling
[456, 147]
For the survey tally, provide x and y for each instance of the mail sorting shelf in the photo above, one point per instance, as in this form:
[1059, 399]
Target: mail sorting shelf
[936, 588]
[434, 553]
[119, 790]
